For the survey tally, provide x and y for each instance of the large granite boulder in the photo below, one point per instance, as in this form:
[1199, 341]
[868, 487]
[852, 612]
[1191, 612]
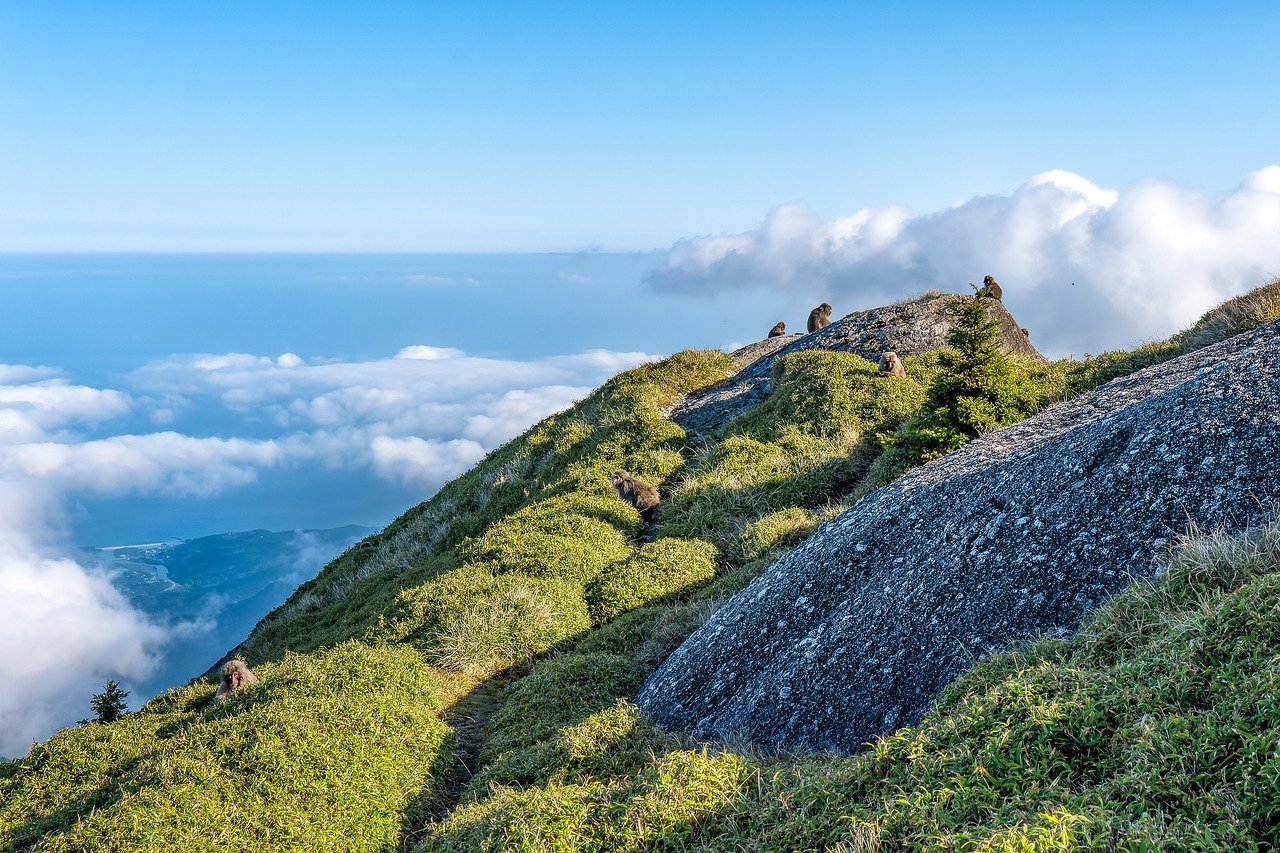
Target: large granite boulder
[912, 327]
[1017, 534]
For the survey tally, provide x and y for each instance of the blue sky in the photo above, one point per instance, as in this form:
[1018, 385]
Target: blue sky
[531, 127]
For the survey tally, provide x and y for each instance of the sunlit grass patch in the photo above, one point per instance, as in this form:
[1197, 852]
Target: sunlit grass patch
[658, 569]
[329, 752]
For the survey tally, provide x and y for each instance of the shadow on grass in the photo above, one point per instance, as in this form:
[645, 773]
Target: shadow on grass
[31, 831]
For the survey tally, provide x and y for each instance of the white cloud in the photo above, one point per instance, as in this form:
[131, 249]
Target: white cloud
[10, 373]
[1083, 266]
[425, 353]
[30, 411]
[165, 462]
[64, 630]
[414, 461]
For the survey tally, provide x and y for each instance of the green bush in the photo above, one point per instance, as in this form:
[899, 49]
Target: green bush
[559, 692]
[780, 529]
[473, 621]
[327, 753]
[555, 539]
[978, 389]
[658, 569]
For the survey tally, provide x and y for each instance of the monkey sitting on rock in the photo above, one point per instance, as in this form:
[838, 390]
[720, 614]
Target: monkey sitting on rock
[640, 495]
[891, 365]
[819, 317]
[778, 330]
[235, 674]
[990, 289]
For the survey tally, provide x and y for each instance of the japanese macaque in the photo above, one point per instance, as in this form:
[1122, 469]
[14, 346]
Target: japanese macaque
[991, 289]
[778, 330]
[640, 495]
[819, 317]
[891, 365]
[235, 674]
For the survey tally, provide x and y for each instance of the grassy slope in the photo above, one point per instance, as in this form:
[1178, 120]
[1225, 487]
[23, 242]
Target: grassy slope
[1155, 728]
[521, 605]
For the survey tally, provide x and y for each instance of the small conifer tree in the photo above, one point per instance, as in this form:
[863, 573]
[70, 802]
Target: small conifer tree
[109, 705]
[978, 389]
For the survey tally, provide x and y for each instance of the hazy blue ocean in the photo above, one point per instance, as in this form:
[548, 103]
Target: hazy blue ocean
[98, 318]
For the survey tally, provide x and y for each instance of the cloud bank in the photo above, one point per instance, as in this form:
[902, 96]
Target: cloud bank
[1085, 267]
[418, 418]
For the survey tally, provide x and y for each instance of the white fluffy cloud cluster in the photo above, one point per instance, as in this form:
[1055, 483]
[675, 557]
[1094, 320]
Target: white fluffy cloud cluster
[418, 418]
[1085, 267]
[421, 417]
[64, 630]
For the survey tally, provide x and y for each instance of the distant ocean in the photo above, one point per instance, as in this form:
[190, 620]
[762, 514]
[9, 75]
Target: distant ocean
[97, 317]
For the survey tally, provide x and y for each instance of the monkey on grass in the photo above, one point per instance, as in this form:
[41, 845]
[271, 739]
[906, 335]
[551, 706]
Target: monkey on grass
[819, 317]
[235, 674]
[640, 495]
[990, 289]
[778, 330]
[891, 365]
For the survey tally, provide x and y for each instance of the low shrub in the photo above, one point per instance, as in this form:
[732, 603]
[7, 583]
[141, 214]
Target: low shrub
[556, 538]
[559, 692]
[657, 570]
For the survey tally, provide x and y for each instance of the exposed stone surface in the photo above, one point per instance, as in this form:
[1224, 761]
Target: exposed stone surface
[913, 327]
[1016, 534]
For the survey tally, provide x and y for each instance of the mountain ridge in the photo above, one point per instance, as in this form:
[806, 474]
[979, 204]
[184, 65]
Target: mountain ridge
[462, 679]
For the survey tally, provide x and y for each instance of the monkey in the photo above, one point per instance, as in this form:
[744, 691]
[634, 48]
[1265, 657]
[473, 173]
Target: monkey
[1027, 332]
[819, 317]
[990, 289]
[778, 330]
[891, 365]
[640, 495]
[234, 676]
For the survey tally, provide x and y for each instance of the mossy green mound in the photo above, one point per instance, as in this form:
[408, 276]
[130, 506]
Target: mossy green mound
[657, 570]
[329, 752]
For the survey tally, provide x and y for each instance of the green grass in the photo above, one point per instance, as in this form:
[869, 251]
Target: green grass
[657, 570]
[1247, 311]
[329, 752]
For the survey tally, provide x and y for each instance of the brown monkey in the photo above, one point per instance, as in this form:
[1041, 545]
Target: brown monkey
[778, 330]
[819, 317]
[991, 289]
[640, 495]
[234, 676]
[891, 365]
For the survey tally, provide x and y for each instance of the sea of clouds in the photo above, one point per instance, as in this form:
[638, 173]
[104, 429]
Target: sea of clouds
[420, 417]
[1084, 267]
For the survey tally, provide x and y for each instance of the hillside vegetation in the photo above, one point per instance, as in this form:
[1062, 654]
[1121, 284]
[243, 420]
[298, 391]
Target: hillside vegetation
[461, 680]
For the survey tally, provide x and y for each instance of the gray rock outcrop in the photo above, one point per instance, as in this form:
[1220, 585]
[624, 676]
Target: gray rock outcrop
[1017, 534]
[913, 327]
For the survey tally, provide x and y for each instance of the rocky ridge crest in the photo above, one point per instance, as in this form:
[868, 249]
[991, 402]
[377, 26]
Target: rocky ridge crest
[911, 327]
